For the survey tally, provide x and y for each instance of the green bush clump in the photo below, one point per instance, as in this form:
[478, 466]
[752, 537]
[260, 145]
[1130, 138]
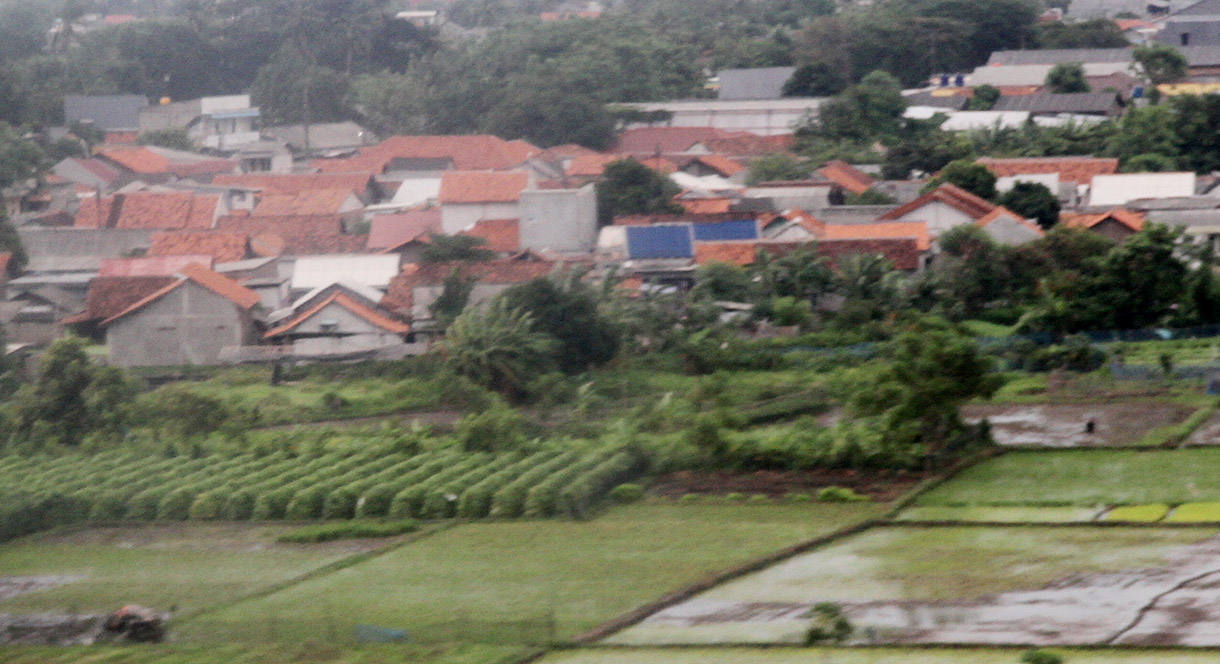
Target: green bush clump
[543, 499]
[143, 506]
[758, 499]
[690, 498]
[349, 530]
[271, 505]
[798, 497]
[626, 493]
[838, 494]
[176, 505]
[579, 495]
[305, 504]
[735, 497]
[239, 506]
[340, 504]
[1041, 657]
[509, 500]
[209, 506]
[108, 506]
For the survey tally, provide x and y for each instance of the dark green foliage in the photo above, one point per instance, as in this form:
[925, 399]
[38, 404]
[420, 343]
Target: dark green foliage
[1196, 126]
[453, 298]
[777, 167]
[973, 177]
[829, 625]
[350, 530]
[869, 197]
[499, 428]
[722, 282]
[629, 187]
[10, 241]
[922, 147]
[291, 90]
[626, 493]
[1159, 63]
[455, 248]
[838, 494]
[1067, 77]
[173, 138]
[20, 159]
[1033, 201]
[566, 309]
[499, 349]
[1094, 33]
[1041, 657]
[984, 98]
[815, 80]
[868, 110]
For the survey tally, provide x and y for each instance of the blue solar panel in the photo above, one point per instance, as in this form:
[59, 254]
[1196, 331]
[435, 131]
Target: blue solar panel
[727, 230]
[659, 242]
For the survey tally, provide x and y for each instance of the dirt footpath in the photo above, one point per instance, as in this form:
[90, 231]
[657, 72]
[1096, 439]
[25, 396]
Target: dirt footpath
[1063, 425]
[1175, 604]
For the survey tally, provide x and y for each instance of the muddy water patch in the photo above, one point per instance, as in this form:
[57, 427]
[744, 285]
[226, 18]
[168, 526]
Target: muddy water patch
[1066, 425]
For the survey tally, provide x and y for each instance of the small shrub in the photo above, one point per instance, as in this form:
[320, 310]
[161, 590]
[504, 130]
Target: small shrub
[758, 499]
[108, 507]
[829, 625]
[306, 504]
[209, 506]
[176, 505]
[1041, 657]
[240, 505]
[838, 494]
[735, 497]
[626, 493]
[690, 498]
[376, 502]
[798, 497]
[349, 530]
[340, 504]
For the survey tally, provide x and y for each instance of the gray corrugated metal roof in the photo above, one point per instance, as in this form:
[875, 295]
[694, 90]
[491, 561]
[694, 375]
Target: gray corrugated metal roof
[1078, 102]
[760, 83]
[1060, 55]
[1201, 56]
[951, 102]
[67, 249]
[323, 136]
[109, 112]
[1209, 8]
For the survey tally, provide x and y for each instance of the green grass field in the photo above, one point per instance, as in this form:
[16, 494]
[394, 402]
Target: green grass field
[863, 656]
[187, 566]
[506, 582]
[1085, 479]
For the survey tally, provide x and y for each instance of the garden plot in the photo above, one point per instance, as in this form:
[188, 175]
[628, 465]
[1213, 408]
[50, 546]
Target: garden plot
[1063, 425]
[987, 586]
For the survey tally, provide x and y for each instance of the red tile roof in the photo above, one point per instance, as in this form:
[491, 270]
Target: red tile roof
[1079, 170]
[481, 187]
[660, 165]
[110, 296]
[150, 266]
[399, 296]
[1126, 24]
[739, 252]
[477, 152]
[648, 141]
[148, 209]
[882, 230]
[314, 201]
[347, 302]
[222, 247]
[145, 161]
[746, 144]
[502, 235]
[301, 235]
[948, 194]
[706, 205]
[295, 183]
[219, 284]
[565, 151]
[1128, 218]
[592, 165]
[391, 231]
[904, 253]
[721, 164]
[847, 176]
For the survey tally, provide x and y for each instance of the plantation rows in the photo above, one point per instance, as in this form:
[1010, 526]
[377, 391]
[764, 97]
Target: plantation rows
[44, 492]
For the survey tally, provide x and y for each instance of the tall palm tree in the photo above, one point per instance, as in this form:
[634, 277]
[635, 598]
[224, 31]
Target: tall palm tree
[498, 348]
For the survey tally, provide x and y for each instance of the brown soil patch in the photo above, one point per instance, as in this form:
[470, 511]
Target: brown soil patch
[1208, 434]
[879, 485]
[1063, 425]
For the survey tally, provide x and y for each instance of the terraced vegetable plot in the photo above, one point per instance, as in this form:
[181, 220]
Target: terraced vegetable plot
[43, 492]
[1005, 585]
[1086, 479]
[526, 581]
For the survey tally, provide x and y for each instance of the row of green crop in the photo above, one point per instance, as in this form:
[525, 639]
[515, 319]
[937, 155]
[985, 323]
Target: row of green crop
[114, 486]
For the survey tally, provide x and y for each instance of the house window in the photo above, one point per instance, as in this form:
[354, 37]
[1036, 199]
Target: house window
[1185, 36]
[329, 326]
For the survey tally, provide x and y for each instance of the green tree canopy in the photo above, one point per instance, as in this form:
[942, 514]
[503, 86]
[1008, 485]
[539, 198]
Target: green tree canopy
[498, 348]
[969, 175]
[567, 309]
[1159, 63]
[778, 167]
[1067, 77]
[1033, 201]
[629, 187]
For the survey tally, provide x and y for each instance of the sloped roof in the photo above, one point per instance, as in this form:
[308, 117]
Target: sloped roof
[721, 164]
[847, 176]
[222, 247]
[746, 144]
[660, 241]
[1128, 218]
[300, 235]
[106, 112]
[152, 160]
[149, 209]
[391, 231]
[1076, 102]
[714, 205]
[648, 141]
[592, 165]
[217, 283]
[354, 306]
[918, 230]
[733, 252]
[482, 187]
[755, 83]
[109, 296]
[565, 151]
[903, 253]
[1002, 212]
[1201, 9]
[376, 270]
[150, 266]
[400, 297]
[315, 201]
[295, 183]
[1070, 169]
[1054, 56]
[501, 235]
[473, 152]
[948, 194]
[744, 229]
